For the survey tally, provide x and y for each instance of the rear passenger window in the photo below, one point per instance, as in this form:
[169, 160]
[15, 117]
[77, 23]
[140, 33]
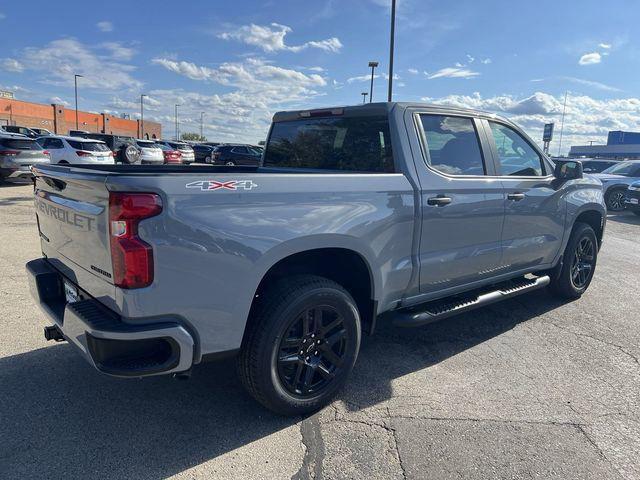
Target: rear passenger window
[453, 145]
[356, 144]
[516, 156]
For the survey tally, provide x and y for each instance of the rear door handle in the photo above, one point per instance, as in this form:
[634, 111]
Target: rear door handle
[439, 201]
[516, 196]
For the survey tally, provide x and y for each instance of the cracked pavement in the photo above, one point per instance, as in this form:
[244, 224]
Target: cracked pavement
[527, 388]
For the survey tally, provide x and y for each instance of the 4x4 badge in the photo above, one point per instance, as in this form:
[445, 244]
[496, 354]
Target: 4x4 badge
[226, 185]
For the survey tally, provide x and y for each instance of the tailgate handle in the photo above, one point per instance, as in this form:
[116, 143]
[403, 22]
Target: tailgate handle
[55, 183]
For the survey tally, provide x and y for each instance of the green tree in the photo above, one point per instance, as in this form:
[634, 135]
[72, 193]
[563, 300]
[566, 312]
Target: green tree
[193, 137]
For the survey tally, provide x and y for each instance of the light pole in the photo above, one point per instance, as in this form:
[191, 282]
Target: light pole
[142, 115]
[177, 137]
[373, 66]
[391, 42]
[364, 97]
[75, 83]
[201, 126]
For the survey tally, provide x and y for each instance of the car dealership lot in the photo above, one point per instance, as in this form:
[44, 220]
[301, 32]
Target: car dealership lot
[529, 387]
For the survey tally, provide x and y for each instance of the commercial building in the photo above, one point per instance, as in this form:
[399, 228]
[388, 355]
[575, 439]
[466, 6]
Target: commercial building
[620, 145]
[59, 119]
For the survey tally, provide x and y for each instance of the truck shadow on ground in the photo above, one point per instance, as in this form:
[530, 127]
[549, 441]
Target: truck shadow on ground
[59, 418]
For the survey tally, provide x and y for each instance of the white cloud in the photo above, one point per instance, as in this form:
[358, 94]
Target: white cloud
[119, 51]
[592, 84]
[362, 78]
[485, 61]
[470, 58]
[452, 72]
[586, 118]
[11, 65]
[270, 38]
[316, 69]
[59, 60]
[413, 71]
[606, 46]
[58, 101]
[105, 26]
[590, 58]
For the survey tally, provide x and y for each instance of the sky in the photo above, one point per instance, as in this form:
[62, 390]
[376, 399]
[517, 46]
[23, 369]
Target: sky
[239, 62]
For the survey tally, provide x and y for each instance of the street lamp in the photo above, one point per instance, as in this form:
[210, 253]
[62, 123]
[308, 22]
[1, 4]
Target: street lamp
[75, 82]
[177, 137]
[201, 126]
[391, 42]
[364, 97]
[373, 66]
[142, 115]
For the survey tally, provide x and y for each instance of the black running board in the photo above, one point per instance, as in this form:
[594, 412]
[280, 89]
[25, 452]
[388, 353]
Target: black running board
[439, 309]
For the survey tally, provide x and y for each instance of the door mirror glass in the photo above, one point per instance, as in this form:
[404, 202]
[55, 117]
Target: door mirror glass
[568, 170]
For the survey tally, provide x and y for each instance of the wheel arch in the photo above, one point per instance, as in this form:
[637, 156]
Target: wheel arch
[344, 265]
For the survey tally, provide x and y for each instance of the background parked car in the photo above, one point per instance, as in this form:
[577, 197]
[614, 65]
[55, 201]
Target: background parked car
[632, 199]
[41, 132]
[236, 155]
[203, 153]
[616, 180]
[150, 152]
[17, 154]
[76, 150]
[188, 156]
[21, 130]
[124, 148]
[596, 165]
[172, 156]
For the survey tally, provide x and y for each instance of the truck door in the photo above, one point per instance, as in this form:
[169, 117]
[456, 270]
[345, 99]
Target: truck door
[462, 206]
[534, 211]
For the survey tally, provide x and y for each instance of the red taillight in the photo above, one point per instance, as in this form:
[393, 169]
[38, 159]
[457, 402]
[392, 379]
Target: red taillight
[9, 152]
[47, 153]
[131, 257]
[110, 154]
[82, 153]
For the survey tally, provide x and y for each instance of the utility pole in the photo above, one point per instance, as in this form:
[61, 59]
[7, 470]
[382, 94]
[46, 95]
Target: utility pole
[75, 83]
[142, 116]
[177, 137]
[201, 126]
[364, 97]
[373, 66]
[564, 109]
[391, 45]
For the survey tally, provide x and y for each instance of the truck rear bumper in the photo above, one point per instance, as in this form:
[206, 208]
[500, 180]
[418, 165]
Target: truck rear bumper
[105, 339]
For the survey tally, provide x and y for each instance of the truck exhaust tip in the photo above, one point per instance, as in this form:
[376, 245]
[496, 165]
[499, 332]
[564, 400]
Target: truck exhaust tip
[53, 333]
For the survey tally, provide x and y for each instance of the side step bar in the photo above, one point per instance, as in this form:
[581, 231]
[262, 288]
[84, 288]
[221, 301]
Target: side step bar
[439, 309]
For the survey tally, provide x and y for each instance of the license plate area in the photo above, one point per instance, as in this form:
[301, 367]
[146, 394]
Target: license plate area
[71, 294]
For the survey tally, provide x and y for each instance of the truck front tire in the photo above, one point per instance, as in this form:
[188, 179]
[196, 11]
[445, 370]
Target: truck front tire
[301, 344]
[578, 265]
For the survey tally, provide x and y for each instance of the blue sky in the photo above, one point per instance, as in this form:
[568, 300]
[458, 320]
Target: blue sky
[241, 61]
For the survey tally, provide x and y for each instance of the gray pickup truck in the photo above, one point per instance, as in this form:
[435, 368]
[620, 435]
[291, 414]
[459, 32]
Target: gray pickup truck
[395, 212]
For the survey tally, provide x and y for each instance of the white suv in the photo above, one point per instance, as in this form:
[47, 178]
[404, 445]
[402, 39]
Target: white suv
[150, 152]
[74, 150]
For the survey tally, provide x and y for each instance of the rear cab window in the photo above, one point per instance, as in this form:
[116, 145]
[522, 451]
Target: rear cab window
[340, 143]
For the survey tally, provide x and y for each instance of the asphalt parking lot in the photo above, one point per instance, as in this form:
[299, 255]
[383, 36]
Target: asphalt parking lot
[527, 388]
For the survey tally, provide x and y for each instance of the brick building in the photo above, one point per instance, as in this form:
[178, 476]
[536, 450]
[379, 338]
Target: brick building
[58, 119]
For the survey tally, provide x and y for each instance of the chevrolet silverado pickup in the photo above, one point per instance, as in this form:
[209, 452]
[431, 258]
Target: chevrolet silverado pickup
[397, 212]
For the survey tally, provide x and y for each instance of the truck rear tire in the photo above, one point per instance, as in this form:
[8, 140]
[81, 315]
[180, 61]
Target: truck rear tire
[301, 345]
[579, 263]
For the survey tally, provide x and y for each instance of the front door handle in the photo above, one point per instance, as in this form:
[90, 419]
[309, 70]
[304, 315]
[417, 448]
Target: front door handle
[516, 196]
[439, 201]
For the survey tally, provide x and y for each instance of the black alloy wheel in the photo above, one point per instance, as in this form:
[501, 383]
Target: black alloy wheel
[312, 351]
[615, 200]
[582, 263]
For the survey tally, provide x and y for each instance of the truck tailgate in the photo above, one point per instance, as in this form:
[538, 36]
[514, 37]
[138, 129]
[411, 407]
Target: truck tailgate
[72, 213]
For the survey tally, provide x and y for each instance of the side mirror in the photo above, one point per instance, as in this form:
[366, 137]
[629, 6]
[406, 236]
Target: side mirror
[568, 170]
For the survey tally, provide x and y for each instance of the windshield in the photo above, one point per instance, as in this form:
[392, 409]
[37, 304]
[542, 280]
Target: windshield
[88, 146]
[20, 144]
[146, 144]
[627, 169]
